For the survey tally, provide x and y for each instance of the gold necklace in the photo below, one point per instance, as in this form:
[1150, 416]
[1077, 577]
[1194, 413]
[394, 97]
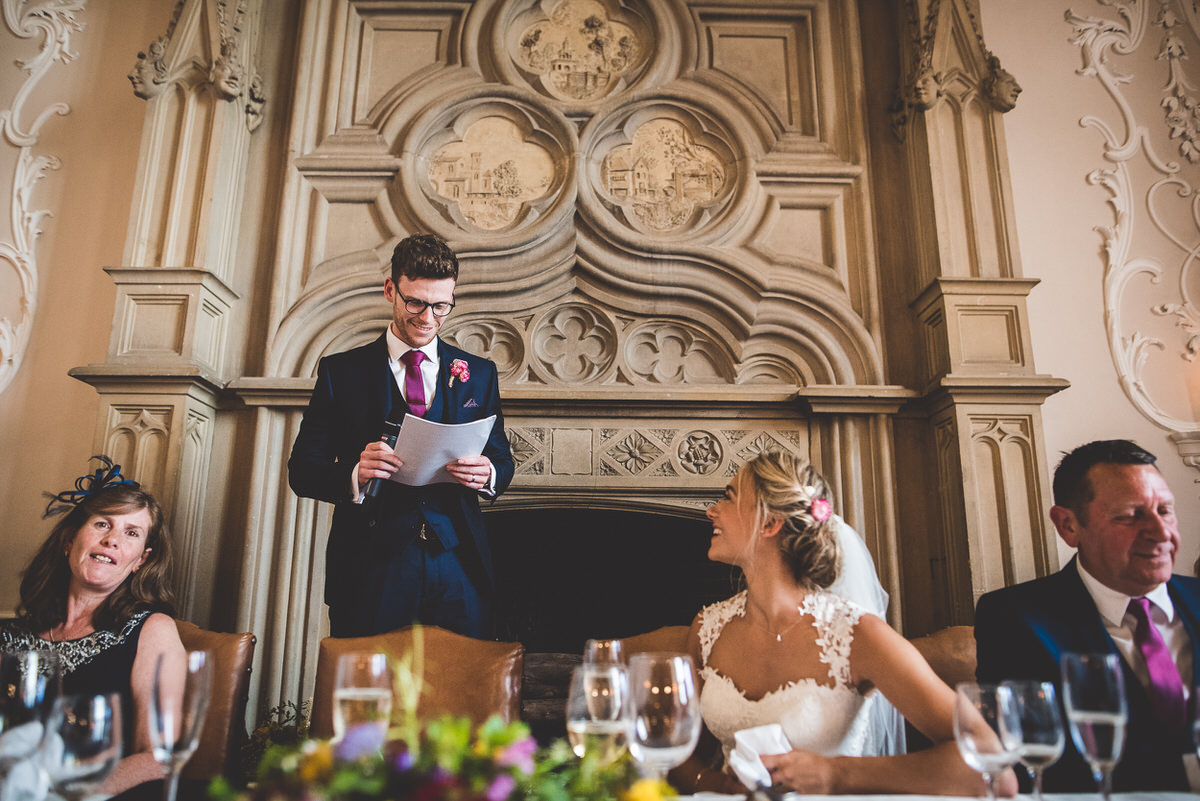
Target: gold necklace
[779, 634]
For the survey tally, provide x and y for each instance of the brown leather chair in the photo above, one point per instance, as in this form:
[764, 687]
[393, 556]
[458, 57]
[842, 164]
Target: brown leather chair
[224, 732]
[667, 638]
[461, 676]
[950, 652]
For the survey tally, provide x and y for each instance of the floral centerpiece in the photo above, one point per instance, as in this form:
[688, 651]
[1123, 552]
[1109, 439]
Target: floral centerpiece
[446, 759]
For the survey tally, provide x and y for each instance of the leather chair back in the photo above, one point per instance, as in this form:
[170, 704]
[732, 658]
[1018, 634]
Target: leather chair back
[224, 732]
[950, 652]
[462, 676]
[667, 638]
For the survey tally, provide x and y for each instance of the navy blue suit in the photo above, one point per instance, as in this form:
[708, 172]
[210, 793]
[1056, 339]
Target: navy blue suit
[1021, 631]
[355, 393]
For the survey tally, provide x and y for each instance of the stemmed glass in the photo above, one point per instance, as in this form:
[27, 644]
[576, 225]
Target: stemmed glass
[604, 652]
[987, 729]
[1042, 736]
[30, 681]
[1094, 696]
[178, 704]
[666, 711]
[599, 713]
[362, 699]
[83, 743]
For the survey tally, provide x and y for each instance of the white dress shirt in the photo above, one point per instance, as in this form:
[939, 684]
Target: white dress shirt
[1120, 625]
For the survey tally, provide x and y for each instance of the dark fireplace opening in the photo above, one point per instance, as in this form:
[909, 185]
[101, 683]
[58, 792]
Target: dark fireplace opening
[568, 574]
[564, 575]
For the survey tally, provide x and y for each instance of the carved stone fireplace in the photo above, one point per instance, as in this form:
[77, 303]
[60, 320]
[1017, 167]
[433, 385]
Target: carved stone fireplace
[689, 230]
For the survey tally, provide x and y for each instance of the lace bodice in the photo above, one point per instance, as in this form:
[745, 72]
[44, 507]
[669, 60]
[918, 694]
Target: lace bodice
[828, 720]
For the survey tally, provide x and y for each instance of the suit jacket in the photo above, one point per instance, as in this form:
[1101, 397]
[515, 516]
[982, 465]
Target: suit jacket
[350, 402]
[1020, 633]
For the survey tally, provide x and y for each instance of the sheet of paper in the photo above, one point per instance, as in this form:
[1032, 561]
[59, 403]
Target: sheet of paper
[426, 447]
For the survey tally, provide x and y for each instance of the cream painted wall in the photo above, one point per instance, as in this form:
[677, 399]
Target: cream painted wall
[47, 418]
[1050, 155]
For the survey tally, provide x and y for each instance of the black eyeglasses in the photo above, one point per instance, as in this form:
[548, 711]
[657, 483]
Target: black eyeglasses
[414, 306]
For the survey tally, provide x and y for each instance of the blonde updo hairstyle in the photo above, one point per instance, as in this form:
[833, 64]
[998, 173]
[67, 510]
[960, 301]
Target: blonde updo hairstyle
[784, 488]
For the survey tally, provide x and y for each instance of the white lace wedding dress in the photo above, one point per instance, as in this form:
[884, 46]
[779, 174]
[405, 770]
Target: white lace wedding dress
[829, 720]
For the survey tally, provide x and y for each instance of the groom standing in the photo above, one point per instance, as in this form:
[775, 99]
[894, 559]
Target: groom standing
[406, 554]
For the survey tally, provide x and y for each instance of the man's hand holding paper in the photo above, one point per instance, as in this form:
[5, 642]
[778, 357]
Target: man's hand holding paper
[433, 453]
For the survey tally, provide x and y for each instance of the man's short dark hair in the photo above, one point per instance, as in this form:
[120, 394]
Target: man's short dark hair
[1073, 489]
[424, 256]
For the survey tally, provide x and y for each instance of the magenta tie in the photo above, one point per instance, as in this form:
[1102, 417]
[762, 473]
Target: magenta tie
[414, 387]
[1166, 688]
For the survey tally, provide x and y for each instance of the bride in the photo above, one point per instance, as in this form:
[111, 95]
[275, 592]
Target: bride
[787, 650]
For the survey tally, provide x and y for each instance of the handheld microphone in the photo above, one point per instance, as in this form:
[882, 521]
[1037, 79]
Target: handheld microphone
[391, 430]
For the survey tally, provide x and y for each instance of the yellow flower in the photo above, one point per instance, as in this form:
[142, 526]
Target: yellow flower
[316, 762]
[648, 790]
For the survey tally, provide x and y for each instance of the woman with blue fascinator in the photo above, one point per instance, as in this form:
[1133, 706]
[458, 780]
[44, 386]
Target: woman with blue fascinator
[97, 594]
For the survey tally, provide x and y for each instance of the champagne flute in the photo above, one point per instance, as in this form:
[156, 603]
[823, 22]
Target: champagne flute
[987, 729]
[83, 743]
[605, 652]
[1042, 735]
[30, 682]
[178, 704]
[598, 711]
[1094, 696]
[666, 711]
[362, 700]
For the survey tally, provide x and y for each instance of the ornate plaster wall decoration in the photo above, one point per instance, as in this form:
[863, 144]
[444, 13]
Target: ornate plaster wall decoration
[54, 21]
[579, 51]
[491, 173]
[1137, 256]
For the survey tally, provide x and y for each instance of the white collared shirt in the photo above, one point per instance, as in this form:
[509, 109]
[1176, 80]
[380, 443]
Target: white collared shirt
[429, 368]
[1120, 625]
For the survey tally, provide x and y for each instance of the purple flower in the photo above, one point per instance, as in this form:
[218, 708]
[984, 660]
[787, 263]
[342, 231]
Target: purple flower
[403, 761]
[501, 787]
[359, 741]
[519, 754]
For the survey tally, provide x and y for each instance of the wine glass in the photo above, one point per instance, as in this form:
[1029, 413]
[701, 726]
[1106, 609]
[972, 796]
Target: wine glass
[987, 729]
[666, 711]
[1094, 696]
[362, 700]
[30, 681]
[83, 743]
[178, 703]
[598, 711]
[605, 652]
[1042, 735]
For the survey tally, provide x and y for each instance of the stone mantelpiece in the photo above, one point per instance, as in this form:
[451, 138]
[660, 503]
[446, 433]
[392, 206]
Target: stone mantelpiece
[682, 241]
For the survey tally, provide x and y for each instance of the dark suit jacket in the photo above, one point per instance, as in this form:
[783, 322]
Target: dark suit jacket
[350, 401]
[1021, 631]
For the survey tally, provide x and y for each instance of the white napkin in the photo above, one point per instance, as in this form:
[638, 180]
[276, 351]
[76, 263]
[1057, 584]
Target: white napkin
[752, 743]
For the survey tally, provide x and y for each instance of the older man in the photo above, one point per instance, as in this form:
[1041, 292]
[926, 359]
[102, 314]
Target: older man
[1118, 595]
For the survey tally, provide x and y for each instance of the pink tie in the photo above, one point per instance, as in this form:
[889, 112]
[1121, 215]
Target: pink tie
[1166, 688]
[414, 387]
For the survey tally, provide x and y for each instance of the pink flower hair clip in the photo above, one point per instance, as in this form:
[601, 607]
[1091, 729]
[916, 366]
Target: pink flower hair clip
[821, 509]
[458, 369]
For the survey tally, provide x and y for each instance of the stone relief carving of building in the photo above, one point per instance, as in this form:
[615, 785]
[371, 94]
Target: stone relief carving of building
[1150, 273]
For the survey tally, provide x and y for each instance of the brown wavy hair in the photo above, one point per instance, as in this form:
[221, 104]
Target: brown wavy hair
[785, 487]
[46, 579]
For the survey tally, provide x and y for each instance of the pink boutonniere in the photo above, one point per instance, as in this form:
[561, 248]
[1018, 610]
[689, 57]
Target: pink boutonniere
[458, 369]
